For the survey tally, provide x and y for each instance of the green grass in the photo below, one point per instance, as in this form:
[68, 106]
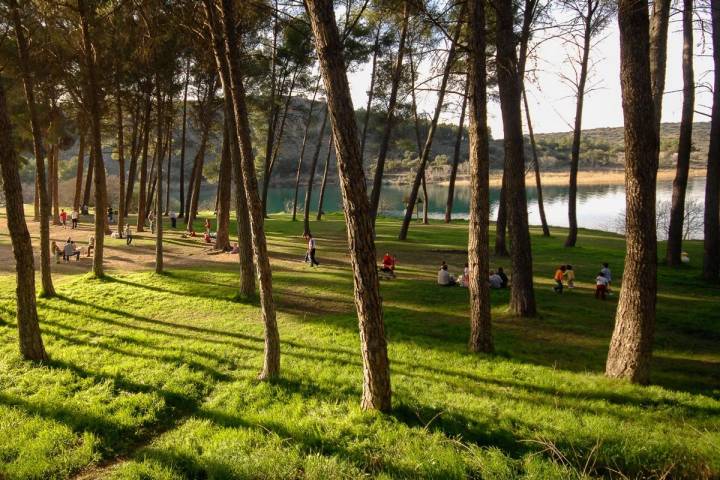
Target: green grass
[153, 376]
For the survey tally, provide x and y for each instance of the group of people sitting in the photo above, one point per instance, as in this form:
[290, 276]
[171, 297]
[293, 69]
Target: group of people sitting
[602, 281]
[497, 279]
[69, 250]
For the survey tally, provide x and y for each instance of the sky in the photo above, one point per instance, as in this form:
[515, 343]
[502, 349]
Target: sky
[552, 102]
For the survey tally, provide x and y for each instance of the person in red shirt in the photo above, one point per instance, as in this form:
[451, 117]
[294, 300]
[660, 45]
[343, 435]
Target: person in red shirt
[559, 274]
[388, 264]
[63, 218]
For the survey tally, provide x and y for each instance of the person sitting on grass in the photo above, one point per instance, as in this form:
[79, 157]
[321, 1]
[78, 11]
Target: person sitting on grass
[465, 277]
[495, 280]
[70, 251]
[444, 278]
[189, 233]
[207, 238]
[503, 277]
[559, 274]
[235, 249]
[601, 286]
[57, 252]
[91, 245]
[388, 264]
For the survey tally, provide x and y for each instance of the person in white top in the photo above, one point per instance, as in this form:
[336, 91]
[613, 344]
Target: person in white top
[496, 281]
[605, 270]
[311, 250]
[444, 278]
[74, 217]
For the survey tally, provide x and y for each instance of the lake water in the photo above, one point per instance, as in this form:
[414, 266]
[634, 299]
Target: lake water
[599, 206]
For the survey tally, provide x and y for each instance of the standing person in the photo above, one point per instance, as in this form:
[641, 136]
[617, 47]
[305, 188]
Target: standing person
[559, 274]
[110, 214]
[503, 277]
[128, 234]
[74, 218]
[601, 286]
[151, 221]
[311, 250]
[63, 218]
[173, 219]
[608, 275]
[91, 245]
[570, 275]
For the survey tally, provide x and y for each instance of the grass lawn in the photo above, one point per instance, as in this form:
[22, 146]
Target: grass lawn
[153, 376]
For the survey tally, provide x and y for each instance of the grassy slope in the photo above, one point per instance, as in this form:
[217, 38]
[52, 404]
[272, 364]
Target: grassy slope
[159, 371]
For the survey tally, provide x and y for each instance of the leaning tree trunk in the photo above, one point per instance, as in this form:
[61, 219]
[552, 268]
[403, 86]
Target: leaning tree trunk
[711, 253]
[371, 90]
[222, 238]
[88, 180]
[324, 180]
[79, 171]
[27, 78]
[456, 153]
[159, 182]
[390, 119]
[416, 118]
[196, 181]
[658, 53]
[478, 255]
[571, 239]
[631, 344]
[302, 151]
[137, 135]
[376, 368]
[95, 114]
[536, 167]
[677, 211]
[31, 344]
[420, 174]
[522, 294]
[271, 365]
[311, 175]
[142, 194]
[183, 139]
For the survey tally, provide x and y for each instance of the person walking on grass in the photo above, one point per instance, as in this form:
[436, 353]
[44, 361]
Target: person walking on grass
[559, 274]
[601, 286]
[173, 219]
[570, 275]
[311, 245]
[63, 218]
[74, 215]
[128, 234]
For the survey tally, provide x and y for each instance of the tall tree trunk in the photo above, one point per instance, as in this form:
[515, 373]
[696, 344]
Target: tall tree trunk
[324, 179]
[278, 142]
[536, 168]
[89, 180]
[501, 249]
[371, 90]
[93, 92]
[79, 171]
[142, 194]
[55, 156]
[159, 180]
[571, 239]
[48, 289]
[478, 255]
[416, 118]
[222, 238]
[658, 53]
[31, 344]
[271, 366]
[632, 338]
[420, 174]
[272, 114]
[376, 368]
[196, 181]
[137, 134]
[522, 294]
[677, 211]
[311, 175]
[183, 139]
[390, 119]
[456, 153]
[169, 127]
[36, 201]
[121, 156]
[302, 151]
[711, 253]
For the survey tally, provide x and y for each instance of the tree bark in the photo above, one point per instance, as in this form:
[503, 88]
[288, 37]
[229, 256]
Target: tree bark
[324, 180]
[36, 201]
[31, 344]
[536, 168]
[631, 344]
[677, 211]
[271, 366]
[371, 90]
[522, 295]
[196, 181]
[479, 157]
[501, 249]
[183, 139]
[48, 289]
[311, 175]
[420, 174]
[390, 119]
[711, 243]
[458, 144]
[159, 181]
[121, 156]
[376, 368]
[302, 151]
[54, 156]
[142, 195]
[137, 134]
[222, 239]
[79, 171]
[169, 127]
[658, 53]
[272, 114]
[93, 103]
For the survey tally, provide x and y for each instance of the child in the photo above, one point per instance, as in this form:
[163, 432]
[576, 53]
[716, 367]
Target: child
[601, 284]
[605, 270]
[63, 218]
[128, 234]
[570, 275]
[91, 245]
[559, 274]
